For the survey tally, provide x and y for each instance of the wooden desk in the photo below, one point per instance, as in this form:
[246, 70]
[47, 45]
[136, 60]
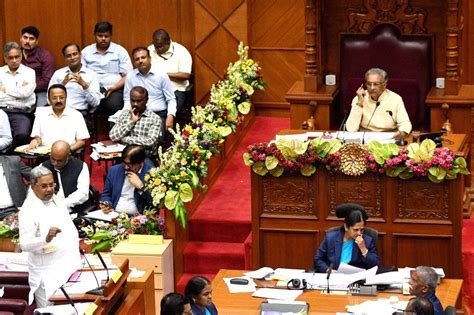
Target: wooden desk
[448, 293]
[419, 222]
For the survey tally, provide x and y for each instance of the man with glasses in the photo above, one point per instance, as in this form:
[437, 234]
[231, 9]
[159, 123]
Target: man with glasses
[125, 183]
[138, 125]
[58, 122]
[17, 97]
[71, 176]
[49, 236]
[376, 108]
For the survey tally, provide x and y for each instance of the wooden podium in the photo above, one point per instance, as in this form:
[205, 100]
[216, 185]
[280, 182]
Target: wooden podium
[419, 222]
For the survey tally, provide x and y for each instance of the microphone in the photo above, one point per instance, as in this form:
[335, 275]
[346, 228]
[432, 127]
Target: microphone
[400, 141]
[103, 264]
[100, 289]
[68, 298]
[363, 135]
[342, 126]
[329, 271]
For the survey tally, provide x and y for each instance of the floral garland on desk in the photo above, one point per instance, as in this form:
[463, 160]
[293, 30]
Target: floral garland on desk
[305, 157]
[184, 164]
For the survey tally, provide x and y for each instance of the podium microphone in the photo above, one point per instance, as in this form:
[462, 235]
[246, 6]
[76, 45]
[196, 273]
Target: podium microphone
[400, 141]
[329, 271]
[100, 289]
[342, 127]
[363, 135]
[68, 298]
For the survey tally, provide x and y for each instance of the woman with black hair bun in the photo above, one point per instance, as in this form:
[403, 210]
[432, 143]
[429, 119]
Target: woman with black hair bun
[199, 292]
[348, 244]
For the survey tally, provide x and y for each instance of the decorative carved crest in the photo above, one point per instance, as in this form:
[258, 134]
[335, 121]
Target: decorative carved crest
[397, 12]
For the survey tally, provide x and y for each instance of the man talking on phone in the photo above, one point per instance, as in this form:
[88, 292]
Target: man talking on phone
[124, 189]
[138, 125]
[376, 108]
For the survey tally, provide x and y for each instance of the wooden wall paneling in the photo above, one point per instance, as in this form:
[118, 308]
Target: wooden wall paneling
[277, 43]
[275, 241]
[2, 27]
[91, 12]
[219, 26]
[59, 22]
[135, 20]
[468, 41]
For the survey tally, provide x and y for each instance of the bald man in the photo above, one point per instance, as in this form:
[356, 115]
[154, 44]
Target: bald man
[71, 176]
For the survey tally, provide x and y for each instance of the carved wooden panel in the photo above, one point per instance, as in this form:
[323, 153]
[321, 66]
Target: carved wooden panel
[422, 200]
[289, 196]
[418, 250]
[365, 190]
[304, 244]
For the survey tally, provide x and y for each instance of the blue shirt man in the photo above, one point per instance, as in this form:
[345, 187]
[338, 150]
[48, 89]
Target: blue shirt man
[423, 282]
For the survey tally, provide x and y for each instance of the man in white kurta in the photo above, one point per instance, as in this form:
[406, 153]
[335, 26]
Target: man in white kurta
[49, 237]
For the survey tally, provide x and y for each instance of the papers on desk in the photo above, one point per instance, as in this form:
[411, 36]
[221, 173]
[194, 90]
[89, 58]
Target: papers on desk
[277, 294]
[10, 261]
[348, 269]
[41, 150]
[100, 215]
[105, 147]
[379, 307]
[240, 288]
[64, 309]
[278, 274]
[85, 282]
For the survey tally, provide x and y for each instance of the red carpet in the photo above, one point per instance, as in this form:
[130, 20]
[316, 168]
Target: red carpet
[468, 262]
[220, 226]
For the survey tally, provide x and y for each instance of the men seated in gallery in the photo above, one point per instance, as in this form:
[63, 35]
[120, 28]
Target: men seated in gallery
[138, 125]
[176, 60]
[5, 131]
[125, 183]
[423, 282]
[49, 236]
[349, 244]
[82, 85]
[12, 185]
[39, 59]
[376, 108]
[161, 98]
[111, 63]
[71, 177]
[17, 97]
[58, 122]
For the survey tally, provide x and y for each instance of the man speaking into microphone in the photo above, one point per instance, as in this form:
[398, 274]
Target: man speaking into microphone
[370, 107]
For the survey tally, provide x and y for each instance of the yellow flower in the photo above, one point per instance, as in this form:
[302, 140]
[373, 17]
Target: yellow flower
[184, 162]
[147, 177]
[157, 182]
[182, 174]
[219, 120]
[249, 62]
[163, 188]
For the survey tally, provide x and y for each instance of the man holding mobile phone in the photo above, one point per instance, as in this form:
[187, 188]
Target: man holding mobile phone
[138, 125]
[376, 108]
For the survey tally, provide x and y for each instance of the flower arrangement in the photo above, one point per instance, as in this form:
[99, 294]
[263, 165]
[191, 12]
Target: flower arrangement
[422, 160]
[9, 228]
[104, 235]
[293, 155]
[184, 164]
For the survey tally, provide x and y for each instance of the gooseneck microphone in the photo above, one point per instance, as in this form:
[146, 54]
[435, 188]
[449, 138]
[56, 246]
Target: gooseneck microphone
[329, 271]
[100, 289]
[342, 127]
[103, 263]
[401, 141]
[68, 298]
[363, 135]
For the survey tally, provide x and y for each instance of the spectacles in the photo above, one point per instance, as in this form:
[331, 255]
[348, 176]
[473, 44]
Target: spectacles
[46, 186]
[374, 84]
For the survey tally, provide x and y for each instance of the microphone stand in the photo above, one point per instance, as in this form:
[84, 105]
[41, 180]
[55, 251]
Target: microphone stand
[401, 141]
[329, 271]
[363, 135]
[100, 289]
[68, 298]
[342, 127]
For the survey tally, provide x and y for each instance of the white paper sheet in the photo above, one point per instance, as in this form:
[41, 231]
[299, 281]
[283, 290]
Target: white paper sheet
[277, 294]
[239, 288]
[260, 273]
[393, 277]
[65, 309]
[348, 269]
[100, 215]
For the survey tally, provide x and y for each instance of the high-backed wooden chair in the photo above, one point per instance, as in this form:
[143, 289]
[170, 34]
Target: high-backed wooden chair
[408, 60]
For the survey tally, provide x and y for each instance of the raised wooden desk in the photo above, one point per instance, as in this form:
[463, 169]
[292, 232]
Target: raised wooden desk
[448, 293]
[419, 222]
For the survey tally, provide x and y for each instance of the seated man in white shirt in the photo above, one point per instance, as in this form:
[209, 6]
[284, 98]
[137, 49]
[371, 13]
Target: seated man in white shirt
[377, 108]
[82, 85]
[17, 97]
[71, 176]
[58, 122]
